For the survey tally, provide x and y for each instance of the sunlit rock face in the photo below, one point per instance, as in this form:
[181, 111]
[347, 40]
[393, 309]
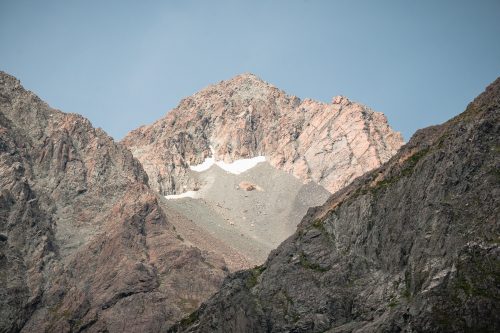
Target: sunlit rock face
[245, 117]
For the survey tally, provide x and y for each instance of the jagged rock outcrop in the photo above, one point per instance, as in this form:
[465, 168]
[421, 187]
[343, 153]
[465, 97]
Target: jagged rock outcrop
[84, 244]
[412, 246]
[244, 117]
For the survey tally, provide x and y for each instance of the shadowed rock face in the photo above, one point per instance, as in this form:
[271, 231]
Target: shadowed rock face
[411, 246]
[84, 245]
[244, 117]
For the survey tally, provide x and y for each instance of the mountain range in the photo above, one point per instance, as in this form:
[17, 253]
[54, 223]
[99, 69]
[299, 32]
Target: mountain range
[202, 221]
[411, 246]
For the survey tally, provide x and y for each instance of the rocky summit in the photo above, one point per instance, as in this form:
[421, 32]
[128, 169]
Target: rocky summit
[89, 242]
[412, 246]
[84, 243]
[245, 117]
[289, 152]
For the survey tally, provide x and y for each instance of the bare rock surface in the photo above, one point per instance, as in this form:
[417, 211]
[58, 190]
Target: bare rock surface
[181, 214]
[244, 117]
[251, 222]
[84, 242]
[412, 246]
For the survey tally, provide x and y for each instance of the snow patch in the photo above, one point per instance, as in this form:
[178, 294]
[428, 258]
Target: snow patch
[188, 194]
[240, 166]
[207, 164]
[236, 167]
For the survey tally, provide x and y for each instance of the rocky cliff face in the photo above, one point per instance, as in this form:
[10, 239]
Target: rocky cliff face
[84, 245]
[412, 246]
[331, 144]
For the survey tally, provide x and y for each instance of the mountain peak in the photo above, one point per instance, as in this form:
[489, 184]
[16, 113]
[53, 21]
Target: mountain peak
[247, 80]
[248, 75]
[55, 170]
[245, 117]
[409, 247]
[7, 80]
[341, 100]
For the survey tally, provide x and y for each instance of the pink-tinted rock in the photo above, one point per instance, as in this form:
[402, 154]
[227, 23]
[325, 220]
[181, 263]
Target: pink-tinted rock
[85, 245]
[330, 144]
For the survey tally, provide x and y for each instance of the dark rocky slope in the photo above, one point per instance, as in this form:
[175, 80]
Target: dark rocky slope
[84, 245]
[412, 246]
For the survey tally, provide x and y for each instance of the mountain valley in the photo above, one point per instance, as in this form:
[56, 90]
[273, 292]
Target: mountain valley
[245, 209]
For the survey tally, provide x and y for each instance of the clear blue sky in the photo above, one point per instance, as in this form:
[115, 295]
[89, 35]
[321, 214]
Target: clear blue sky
[126, 63]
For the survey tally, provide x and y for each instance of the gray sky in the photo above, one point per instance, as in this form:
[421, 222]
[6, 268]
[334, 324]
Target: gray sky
[123, 63]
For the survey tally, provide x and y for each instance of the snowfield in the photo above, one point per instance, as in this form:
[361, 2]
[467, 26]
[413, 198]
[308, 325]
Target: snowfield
[236, 167]
[207, 164]
[188, 194]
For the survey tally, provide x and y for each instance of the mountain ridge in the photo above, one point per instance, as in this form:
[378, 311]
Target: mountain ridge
[411, 246]
[85, 245]
[88, 242]
[245, 117]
